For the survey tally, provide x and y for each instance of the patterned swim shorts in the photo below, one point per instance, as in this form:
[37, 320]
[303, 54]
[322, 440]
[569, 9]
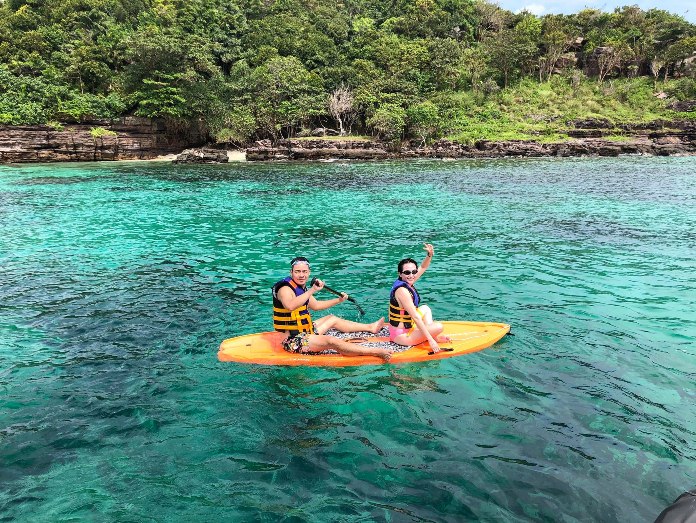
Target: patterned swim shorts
[298, 343]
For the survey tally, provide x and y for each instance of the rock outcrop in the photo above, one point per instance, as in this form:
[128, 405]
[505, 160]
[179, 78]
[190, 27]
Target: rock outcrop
[591, 137]
[202, 156]
[128, 138]
[140, 138]
[317, 150]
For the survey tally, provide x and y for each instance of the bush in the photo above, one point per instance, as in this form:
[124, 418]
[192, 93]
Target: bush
[25, 100]
[490, 86]
[424, 120]
[84, 106]
[238, 126]
[389, 121]
[681, 89]
[38, 100]
[100, 132]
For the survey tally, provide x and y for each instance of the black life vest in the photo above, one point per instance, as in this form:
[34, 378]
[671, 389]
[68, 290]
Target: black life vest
[292, 322]
[398, 315]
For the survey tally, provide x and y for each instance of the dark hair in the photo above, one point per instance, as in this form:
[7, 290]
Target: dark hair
[405, 261]
[298, 259]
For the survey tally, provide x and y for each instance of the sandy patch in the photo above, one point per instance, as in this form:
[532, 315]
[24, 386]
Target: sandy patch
[164, 158]
[236, 156]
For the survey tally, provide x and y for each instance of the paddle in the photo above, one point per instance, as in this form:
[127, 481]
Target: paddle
[337, 293]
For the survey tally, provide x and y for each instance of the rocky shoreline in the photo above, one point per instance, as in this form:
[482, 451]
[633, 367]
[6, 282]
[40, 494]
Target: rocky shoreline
[140, 138]
[128, 138]
[587, 138]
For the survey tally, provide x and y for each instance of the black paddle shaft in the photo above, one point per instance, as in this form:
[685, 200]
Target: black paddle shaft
[337, 293]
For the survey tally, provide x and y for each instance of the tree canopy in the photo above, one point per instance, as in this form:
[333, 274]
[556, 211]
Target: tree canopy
[267, 69]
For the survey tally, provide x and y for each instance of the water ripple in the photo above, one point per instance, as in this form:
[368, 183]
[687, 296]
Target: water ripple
[119, 281]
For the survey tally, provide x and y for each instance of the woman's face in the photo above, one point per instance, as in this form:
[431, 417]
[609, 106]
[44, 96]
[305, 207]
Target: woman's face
[408, 272]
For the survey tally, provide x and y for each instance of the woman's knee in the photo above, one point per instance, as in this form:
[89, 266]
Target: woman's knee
[436, 328]
[426, 314]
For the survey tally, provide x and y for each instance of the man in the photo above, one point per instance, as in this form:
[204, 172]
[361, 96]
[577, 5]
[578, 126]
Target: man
[292, 302]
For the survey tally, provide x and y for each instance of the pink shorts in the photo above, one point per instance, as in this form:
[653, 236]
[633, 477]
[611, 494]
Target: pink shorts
[396, 331]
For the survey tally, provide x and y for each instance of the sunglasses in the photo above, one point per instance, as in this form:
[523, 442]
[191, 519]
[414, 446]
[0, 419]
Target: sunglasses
[299, 259]
[408, 273]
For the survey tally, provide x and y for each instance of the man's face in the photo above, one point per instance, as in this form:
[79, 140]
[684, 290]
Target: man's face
[300, 273]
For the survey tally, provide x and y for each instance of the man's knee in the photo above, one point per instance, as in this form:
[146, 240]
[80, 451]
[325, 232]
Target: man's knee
[329, 319]
[330, 342]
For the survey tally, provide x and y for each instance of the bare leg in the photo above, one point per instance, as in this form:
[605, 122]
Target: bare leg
[428, 319]
[426, 313]
[324, 324]
[318, 343]
[417, 336]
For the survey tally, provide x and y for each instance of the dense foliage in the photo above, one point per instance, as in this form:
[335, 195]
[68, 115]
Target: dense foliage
[271, 68]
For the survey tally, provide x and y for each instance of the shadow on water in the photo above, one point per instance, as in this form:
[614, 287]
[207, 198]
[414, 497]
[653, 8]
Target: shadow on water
[589, 229]
[63, 180]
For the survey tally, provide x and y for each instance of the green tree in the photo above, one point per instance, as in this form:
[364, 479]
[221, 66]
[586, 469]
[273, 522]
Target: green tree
[613, 57]
[369, 81]
[220, 24]
[474, 66]
[444, 64]
[164, 70]
[556, 38]
[489, 19]
[424, 120]
[286, 94]
[237, 126]
[679, 51]
[513, 52]
[388, 122]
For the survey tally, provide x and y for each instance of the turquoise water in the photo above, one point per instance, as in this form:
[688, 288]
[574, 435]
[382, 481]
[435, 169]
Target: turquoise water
[119, 281]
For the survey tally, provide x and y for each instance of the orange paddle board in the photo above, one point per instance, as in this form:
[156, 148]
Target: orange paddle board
[265, 348]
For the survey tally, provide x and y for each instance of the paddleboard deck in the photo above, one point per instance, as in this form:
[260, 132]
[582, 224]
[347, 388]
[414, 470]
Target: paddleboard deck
[265, 348]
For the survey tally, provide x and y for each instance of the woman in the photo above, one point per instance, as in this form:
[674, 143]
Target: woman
[411, 323]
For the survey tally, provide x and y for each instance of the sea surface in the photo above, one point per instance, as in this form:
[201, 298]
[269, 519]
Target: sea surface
[118, 281]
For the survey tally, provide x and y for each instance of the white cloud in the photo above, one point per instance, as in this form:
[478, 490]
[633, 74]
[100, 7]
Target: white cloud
[685, 8]
[535, 9]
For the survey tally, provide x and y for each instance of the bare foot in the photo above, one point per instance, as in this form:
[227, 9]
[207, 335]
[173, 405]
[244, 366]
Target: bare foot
[386, 355]
[443, 339]
[377, 326]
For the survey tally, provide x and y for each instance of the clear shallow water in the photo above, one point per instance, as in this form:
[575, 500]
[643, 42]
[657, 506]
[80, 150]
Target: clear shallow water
[119, 281]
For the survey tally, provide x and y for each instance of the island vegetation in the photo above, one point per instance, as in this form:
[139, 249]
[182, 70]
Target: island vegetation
[419, 69]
